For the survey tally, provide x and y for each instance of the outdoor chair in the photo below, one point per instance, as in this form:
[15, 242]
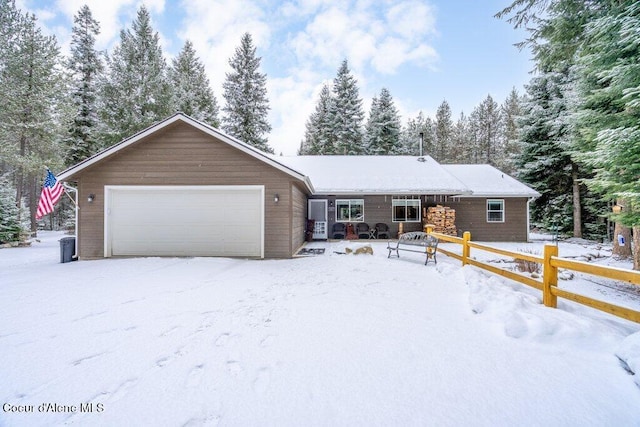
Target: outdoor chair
[362, 230]
[382, 230]
[339, 231]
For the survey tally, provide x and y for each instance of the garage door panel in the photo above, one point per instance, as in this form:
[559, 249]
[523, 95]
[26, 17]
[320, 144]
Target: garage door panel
[177, 221]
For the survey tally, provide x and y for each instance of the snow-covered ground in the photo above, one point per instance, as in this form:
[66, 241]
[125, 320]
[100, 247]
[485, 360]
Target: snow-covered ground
[332, 339]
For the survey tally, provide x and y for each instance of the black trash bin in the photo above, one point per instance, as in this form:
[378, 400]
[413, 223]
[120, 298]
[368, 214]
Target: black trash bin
[67, 249]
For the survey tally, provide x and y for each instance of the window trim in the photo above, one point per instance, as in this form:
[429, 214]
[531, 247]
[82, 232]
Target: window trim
[403, 202]
[349, 201]
[501, 211]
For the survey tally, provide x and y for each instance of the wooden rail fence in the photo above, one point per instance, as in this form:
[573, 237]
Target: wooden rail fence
[550, 264]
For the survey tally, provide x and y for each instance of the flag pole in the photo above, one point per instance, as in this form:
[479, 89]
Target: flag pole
[70, 198]
[75, 202]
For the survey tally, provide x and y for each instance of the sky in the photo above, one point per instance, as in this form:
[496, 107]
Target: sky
[423, 52]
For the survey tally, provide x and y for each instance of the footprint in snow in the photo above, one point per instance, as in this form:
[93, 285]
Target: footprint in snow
[234, 367]
[123, 389]
[164, 361]
[262, 380]
[267, 341]
[84, 359]
[222, 340]
[195, 376]
[209, 421]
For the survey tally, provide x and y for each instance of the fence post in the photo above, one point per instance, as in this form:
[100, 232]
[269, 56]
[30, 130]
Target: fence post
[549, 276]
[466, 250]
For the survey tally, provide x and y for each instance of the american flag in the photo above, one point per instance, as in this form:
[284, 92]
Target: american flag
[51, 192]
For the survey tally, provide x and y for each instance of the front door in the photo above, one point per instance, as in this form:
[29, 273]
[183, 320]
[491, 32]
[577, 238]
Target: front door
[318, 213]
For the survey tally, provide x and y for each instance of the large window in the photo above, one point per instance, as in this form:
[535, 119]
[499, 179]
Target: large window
[405, 210]
[350, 210]
[495, 210]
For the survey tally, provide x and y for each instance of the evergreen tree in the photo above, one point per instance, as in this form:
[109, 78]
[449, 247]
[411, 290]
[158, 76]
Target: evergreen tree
[192, 92]
[9, 215]
[418, 131]
[85, 65]
[347, 113]
[543, 163]
[443, 133]
[32, 90]
[319, 136]
[489, 131]
[460, 141]
[556, 30]
[245, 93]
[383, 127]
[136, 92]
[510, 144]
[609, 111]
[474, 137]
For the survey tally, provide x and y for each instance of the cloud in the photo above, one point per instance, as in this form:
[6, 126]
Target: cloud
[368, 35]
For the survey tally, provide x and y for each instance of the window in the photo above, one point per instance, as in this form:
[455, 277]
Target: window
[495, 210]
[405, 210]
[350, 210]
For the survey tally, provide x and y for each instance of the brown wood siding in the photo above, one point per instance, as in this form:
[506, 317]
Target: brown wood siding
[471, 215]
[298, 217]
[182, 155]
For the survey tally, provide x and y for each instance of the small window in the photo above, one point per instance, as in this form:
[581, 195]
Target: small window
[405, 210]
[495, 210]
[350, 210]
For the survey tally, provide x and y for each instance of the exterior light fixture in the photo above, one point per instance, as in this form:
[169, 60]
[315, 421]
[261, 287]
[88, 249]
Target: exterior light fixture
[91, 198]
[276, 198]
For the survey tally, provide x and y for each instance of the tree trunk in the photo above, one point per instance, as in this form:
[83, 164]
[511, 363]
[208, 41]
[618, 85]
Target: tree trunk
[619, 250]
[577, 206]
[636, 248]
[33, 203]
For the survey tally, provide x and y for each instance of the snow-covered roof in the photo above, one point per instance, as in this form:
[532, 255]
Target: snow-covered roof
[487, 181]
[354, 174]
[376, 175]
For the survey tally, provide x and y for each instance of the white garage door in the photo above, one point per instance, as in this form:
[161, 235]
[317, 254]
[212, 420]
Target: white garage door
[184, 221]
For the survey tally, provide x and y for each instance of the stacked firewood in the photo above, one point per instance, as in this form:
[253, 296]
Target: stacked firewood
[443, 218]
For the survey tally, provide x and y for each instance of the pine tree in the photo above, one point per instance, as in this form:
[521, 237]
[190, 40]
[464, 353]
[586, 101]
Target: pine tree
[9, 216]
[245, 92]
[136, 91]
[319, 136]
[609, 114]
[556, 30]
[543, 163]
[383, 127]
[460, 141]
[489, 131]
[510, 111]
[347, 113]
[192, 92]
[32, 89]
[86, 65]
[444, 130]
[420, 130]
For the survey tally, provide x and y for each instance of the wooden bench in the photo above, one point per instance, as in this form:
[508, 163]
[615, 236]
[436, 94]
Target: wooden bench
[412, 241]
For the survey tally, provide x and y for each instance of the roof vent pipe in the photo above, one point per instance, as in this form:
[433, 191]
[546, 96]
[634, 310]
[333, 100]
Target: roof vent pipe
[421, 143]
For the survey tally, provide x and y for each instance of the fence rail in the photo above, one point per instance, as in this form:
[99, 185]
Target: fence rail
[550, 264]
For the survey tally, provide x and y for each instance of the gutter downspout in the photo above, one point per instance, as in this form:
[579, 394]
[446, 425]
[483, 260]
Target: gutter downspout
[75, 190]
